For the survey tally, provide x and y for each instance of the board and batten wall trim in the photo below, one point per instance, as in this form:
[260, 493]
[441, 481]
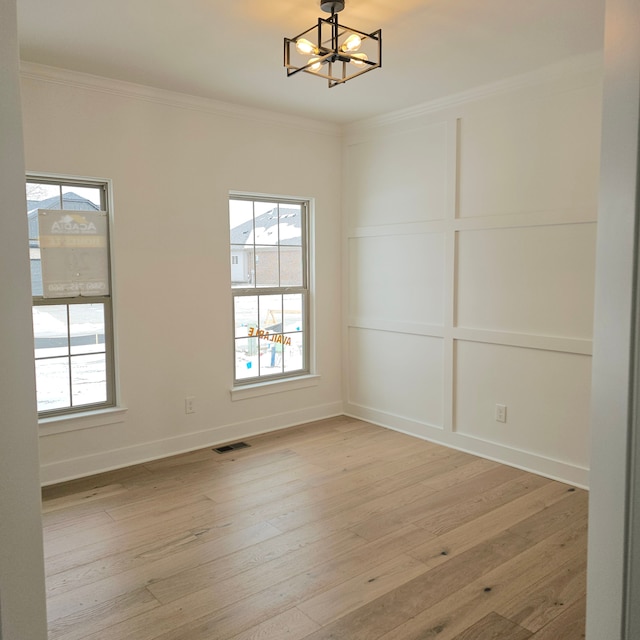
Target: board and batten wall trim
[470, 254]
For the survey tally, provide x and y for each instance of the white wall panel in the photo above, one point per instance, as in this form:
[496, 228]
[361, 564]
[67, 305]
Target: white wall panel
[398, 278]
[398, 374]
[503, 267]
[398, 178]
[531, 155]
[546, 394]
[535, 280]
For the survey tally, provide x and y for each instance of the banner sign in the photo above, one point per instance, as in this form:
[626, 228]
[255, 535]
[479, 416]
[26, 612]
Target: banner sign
[270, 337]
[74, 253]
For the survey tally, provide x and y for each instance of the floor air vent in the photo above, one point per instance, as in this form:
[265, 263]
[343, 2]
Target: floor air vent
[231, 447]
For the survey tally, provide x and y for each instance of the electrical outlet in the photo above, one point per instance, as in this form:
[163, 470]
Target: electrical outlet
[501, 413]
[190, 404]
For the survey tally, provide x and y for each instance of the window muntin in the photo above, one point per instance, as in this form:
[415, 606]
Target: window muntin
[269, 283]
[73, 337]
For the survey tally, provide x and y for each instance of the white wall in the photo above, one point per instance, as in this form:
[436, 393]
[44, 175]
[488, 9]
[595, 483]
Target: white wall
[22, 602]
[173, 160]
[470, 244]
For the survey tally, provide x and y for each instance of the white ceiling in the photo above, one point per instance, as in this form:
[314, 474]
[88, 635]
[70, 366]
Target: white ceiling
[232, 50]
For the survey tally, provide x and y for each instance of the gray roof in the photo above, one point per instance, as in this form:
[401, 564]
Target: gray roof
[266, 224]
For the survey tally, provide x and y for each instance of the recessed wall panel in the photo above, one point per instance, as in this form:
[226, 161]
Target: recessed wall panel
[538, 155]
[398, 178]
[533, 280]
[546, 394]
[397, 278]
[398, 374]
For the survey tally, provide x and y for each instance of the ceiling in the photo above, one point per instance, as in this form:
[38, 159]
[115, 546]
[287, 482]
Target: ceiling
[232, 50]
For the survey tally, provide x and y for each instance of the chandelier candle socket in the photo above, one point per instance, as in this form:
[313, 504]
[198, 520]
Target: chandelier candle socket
[332, 50]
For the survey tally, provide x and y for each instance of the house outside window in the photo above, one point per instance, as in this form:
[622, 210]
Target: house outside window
[270, 287]
[70, 281]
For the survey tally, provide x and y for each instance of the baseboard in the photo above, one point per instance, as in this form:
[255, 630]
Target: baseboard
[72, 468]
[525, 460]
[83, 466]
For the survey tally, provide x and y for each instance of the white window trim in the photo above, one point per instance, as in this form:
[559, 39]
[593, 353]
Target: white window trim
[82, 420]
[274, 386]
[102, 416]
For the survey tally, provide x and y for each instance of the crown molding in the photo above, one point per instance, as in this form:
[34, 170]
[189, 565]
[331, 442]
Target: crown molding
[588, 63]
[79, 80]
[584, 64]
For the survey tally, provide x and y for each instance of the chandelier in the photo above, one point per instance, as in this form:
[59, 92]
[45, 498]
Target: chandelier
[331, 50]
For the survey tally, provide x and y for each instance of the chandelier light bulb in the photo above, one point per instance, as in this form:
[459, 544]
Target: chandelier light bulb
[305, 47]
[358, 59]
[315, 64]
[352, 43]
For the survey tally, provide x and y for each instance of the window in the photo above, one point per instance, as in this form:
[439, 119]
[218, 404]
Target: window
[70, 284]
[270, 288]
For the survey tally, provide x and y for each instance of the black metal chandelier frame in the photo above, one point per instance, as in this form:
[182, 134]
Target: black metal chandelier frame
[330, 60]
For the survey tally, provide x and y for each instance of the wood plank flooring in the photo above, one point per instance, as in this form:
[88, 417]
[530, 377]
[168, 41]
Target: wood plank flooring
[334, 530]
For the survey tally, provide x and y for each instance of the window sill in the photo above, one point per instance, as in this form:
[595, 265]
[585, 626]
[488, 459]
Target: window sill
[276, 386]
[83, 420]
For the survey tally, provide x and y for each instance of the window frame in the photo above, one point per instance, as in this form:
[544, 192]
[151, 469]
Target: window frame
[305, 290]
[111, 401]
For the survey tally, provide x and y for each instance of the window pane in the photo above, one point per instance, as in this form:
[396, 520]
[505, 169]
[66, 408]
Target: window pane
[271, 313]
[293, 353]
[81, 198]
[50, 331]
[271, 336]
[36, 267]
[266, 223]
[267, 266]
[247, 365]
[52, 383]
[241, 266]
[291, 225]
[291, 267]
[89, 379]
[241, 221]
[246, 315]
[271, 358]
[41, 196]
[87, 328]
[293, 315]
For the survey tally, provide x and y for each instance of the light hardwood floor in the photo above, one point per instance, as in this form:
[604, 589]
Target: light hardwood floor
[332, 530]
